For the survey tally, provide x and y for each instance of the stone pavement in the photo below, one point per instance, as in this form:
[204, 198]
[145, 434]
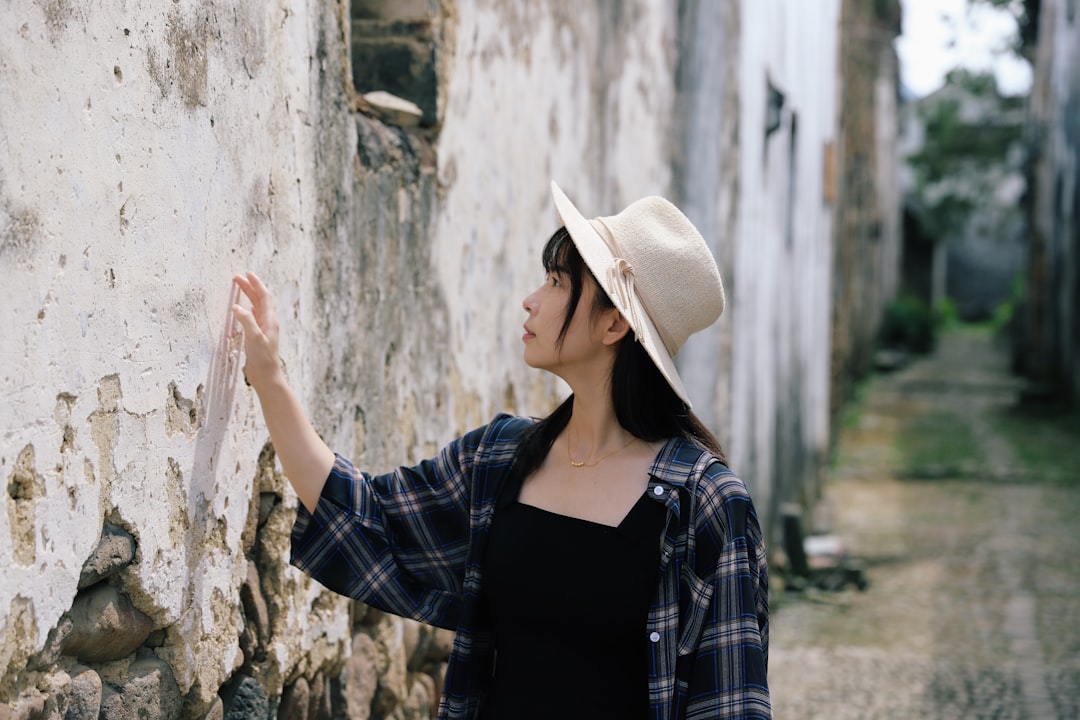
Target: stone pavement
[965, 514]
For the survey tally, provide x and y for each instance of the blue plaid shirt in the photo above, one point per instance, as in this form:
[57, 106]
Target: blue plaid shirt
[411, 542]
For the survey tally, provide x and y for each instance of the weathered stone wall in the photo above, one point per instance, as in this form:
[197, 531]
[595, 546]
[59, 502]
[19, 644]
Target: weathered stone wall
[705, 152]
[867, 232]
[1052, 317]
[781, 264]
[148, 152]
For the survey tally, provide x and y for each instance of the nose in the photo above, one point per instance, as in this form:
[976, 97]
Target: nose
[529, 303]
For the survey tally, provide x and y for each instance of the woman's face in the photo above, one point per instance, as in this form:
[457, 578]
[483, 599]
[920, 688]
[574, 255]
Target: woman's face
[547, 310]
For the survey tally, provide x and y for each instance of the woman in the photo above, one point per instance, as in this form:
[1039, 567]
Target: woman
[600, 563]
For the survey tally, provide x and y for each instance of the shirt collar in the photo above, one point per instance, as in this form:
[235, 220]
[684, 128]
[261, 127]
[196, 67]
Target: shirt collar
[676, 461]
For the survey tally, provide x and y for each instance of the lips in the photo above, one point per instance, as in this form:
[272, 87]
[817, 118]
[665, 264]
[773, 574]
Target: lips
[529, 334]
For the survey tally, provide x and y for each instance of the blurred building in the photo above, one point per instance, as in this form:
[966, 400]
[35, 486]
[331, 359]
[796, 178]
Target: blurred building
[865, 176]
[1051, 320]
[963, 183]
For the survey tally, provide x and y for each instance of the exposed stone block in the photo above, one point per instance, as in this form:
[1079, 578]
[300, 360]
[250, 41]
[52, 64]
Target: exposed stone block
[442, 642]
[113, 553]
[320, 707]
[295, 701]
[105, 625]
[421, 704]
[149, 692]
[361, 677]
[255, 609]
[246, 699]
[84, 698]
[392, 688]
[415, 637]
[216, 711]
[439, 675]
[56, 687]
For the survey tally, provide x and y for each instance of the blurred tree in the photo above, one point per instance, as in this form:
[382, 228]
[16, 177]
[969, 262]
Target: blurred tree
[963, 193]
[963, 142]
[1026, 13]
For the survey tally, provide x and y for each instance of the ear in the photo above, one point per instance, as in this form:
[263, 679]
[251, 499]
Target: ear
[613, 326]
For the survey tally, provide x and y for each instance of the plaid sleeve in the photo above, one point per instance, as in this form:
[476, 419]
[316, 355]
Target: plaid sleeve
[726, 672]
[397, 541]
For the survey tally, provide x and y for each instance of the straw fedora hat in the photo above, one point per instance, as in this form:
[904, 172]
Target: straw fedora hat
[656, 268]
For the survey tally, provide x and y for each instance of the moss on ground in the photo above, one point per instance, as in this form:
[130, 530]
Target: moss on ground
[1045, 442]
[938, 444]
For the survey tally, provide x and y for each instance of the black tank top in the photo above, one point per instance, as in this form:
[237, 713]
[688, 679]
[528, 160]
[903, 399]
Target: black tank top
[568, 602]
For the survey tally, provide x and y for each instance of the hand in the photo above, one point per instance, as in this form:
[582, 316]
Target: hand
[263, 363]
[304, 457]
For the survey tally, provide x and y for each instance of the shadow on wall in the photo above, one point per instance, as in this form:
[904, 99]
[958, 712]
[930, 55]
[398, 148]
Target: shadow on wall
[220, 391]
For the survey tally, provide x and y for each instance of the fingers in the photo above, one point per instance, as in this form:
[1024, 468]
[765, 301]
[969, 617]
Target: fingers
[248, 287]
[262, 301]
[247, 320]
[257, 283]
[260, 320]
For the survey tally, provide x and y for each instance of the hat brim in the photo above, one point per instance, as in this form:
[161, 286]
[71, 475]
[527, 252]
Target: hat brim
[598, 256]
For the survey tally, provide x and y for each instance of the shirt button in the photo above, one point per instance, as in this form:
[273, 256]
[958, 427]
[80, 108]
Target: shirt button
[655, 637]
[658, 491]
[674, 494]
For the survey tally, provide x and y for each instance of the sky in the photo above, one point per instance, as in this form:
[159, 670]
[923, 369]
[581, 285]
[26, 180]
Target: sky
[939, 35]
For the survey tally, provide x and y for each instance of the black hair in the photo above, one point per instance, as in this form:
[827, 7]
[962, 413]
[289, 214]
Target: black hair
[646, 406]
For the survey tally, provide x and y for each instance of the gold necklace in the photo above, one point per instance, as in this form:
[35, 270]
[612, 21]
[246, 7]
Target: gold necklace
[582, 463]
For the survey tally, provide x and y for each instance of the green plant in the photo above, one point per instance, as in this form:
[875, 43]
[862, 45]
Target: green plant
[908, 324]
[1004, 313]
[946, 315]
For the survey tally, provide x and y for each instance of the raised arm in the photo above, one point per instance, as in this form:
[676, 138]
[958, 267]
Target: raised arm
[305, 458]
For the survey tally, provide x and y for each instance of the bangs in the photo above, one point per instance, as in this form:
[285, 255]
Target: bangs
[561, 256]
[557, 255]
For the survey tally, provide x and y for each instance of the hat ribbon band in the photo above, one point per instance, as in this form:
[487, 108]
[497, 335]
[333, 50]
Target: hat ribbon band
[620, 275]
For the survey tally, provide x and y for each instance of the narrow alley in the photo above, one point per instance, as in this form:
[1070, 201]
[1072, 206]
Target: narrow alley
[962, 505]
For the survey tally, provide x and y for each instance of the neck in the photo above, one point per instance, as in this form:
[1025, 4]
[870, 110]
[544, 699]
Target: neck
[593, 428]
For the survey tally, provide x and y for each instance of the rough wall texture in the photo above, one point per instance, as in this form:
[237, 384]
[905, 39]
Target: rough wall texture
[867, 240]
[148, 152]
[780, 304]
[1052, 322]
[705, 149]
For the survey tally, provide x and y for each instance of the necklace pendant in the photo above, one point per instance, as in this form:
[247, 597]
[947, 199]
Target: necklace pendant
[578, 464]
